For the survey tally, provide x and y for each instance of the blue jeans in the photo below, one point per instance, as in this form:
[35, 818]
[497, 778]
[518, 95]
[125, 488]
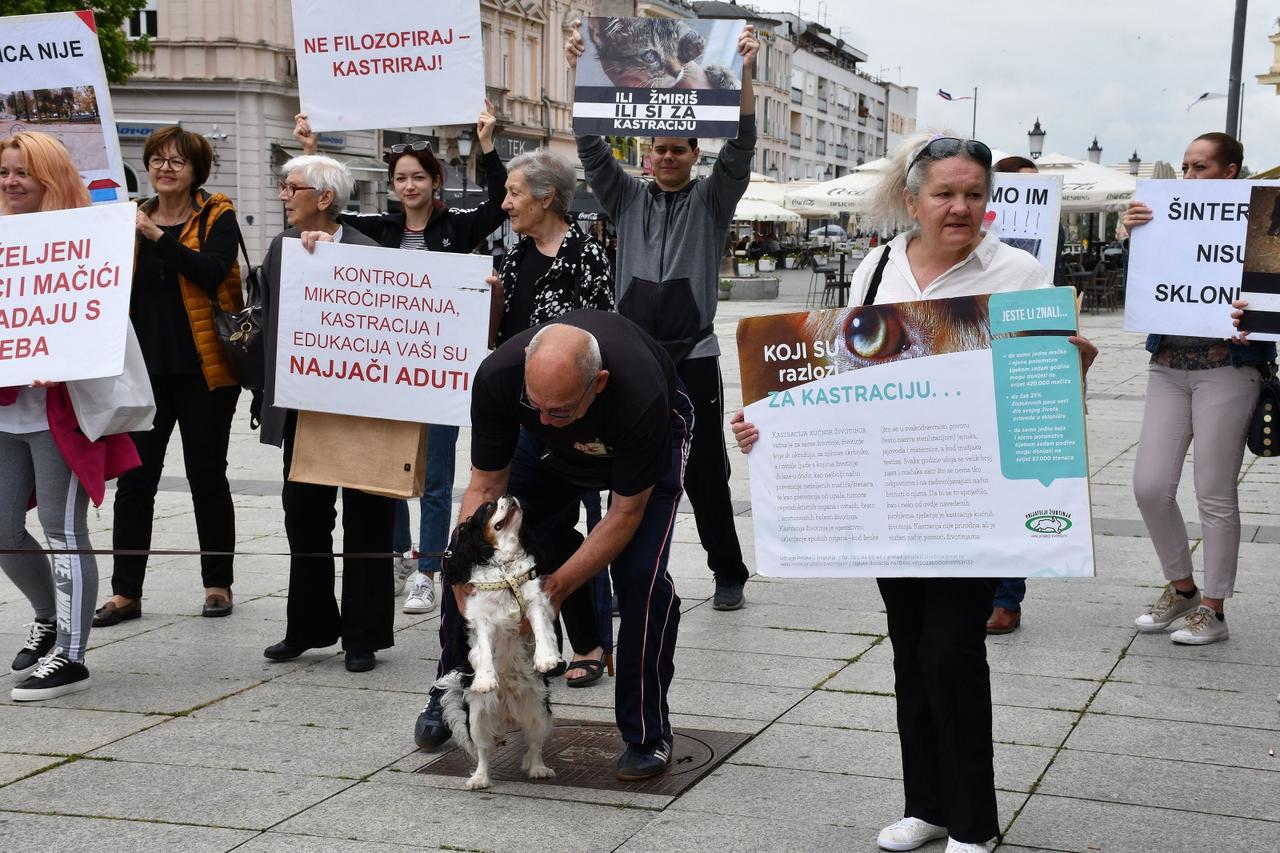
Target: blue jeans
[1009, 593]
[436, 502]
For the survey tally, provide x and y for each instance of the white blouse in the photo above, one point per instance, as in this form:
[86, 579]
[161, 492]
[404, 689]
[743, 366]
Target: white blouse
[27, 414]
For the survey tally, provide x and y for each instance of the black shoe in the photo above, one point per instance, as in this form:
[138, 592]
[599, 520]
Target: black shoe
[430, 730]
[729, 597]
[39, 642]
[361, 661]
[283, 651]
[55, 676]
[644, 762]
[216, 604]
[109, 614]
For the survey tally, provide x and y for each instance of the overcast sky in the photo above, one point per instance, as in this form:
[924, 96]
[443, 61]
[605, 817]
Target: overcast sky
[1123, 70]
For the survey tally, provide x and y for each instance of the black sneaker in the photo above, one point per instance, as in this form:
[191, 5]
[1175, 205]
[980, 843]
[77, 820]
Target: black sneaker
[729, 597]
[39, 643]
[644, 762]
[55, 676]
[431, 730]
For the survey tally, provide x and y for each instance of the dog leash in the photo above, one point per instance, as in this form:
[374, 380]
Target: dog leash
[513, 583]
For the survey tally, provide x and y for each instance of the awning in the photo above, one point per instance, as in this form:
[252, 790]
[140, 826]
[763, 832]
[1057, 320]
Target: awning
[754, 210]
[1088, 186]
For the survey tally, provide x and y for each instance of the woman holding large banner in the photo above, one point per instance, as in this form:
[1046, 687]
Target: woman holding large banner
[1203, 388]
[45, 453]
[185, 270]
[937, 625]
[417, 176]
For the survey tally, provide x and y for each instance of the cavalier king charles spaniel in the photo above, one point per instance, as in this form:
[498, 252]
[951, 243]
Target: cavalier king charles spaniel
[493, 560]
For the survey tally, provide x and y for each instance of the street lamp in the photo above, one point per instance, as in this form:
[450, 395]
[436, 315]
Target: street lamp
[464, 153]
[1134, 163]
[1035, 140]
[1095, 152]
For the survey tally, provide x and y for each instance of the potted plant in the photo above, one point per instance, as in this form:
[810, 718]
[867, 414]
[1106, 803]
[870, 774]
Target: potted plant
[791, 261]
[724, 290]
[746, 268]
[766, 264]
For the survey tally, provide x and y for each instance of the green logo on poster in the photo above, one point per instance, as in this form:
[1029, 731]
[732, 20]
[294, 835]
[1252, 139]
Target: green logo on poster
[1050, 521]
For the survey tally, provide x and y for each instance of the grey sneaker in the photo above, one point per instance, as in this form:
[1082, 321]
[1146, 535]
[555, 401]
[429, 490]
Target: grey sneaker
[422, 594]
[1166, 610]
[908, 834]
[1201, 628]
[729, 597]
[402, 567]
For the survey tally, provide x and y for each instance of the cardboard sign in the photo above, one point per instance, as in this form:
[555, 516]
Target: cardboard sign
[658, 77]
[64, 293]
[382, 333]
[941, 438]
[52, 81]
[1185, 265]
[1024, 212]
[398, 63]
[1260, 283]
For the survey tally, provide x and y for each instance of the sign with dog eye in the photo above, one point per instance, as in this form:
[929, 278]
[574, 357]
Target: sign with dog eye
[1186, 264]
[941, 438]
[381, 333]
[52, 81]
[659, 77]
[398, 63]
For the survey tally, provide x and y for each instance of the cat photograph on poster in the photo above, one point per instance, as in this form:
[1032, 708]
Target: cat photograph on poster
[661, 53]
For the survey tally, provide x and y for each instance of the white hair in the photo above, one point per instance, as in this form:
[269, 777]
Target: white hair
[904, 172]
[323, 173]
[547, 174]
[588, 359]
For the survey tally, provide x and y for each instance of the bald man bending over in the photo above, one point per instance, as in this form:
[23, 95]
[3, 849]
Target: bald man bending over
[590, 401]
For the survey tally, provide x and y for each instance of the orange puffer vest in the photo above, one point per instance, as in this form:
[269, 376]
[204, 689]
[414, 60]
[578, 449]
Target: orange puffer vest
[217, 372]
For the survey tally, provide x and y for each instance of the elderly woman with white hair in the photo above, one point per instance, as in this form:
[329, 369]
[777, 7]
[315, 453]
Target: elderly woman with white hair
[937, 625]
[313, 189]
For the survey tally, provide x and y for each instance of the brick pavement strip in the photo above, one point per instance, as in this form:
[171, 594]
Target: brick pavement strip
[1107, 741]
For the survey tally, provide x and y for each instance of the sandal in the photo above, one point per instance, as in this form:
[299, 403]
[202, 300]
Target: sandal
[595, 669]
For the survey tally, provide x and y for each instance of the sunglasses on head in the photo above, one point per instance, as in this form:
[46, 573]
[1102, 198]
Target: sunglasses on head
[420, 145]
[942, 147]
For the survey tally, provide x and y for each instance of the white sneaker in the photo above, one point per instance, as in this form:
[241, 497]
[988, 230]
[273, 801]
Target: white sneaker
[908, 834]
[402, 567]
[1166, 610]
[422, 594]
[1201, 628]
[954, 846]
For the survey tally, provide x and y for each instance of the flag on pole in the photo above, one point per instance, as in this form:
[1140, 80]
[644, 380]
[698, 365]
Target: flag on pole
[1207, 96]
[947, 96]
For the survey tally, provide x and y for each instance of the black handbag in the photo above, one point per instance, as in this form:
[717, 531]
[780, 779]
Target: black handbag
[240, 332]
[1264, 427]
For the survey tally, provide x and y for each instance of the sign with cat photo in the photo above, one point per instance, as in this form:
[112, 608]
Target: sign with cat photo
[659, 77]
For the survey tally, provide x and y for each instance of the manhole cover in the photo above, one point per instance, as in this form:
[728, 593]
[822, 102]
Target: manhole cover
[585, 755]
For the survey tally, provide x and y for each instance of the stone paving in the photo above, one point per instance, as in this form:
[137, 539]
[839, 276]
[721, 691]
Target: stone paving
[1106, 740]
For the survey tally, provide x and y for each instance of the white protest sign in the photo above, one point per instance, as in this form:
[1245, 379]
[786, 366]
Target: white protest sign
[383, 333]
[888, 452]
[1024, 212]
[64, 293]
[398, 63]
[52, 81]
[1185, 264]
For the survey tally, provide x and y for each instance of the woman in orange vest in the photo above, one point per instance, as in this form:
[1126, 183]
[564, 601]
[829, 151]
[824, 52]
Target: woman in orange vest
[186, 261]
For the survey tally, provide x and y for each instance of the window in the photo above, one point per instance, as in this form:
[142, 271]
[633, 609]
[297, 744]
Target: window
[143, 22]
[797, 79]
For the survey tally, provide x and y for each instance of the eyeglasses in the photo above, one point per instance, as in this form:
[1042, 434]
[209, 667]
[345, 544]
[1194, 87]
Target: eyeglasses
[565, 414]
[177, 164]
[289, 190]
[420, 145]
[942, 147]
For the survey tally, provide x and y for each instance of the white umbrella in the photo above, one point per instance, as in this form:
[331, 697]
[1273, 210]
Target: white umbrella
[849, 192]
[755, 210]
[1088, 186]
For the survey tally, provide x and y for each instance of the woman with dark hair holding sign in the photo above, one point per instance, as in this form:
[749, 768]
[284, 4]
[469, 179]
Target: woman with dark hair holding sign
[417, 176]
[185, 270]
[937, 625]
[1201, 389]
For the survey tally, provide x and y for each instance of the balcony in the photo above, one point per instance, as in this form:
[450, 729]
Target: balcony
[797, 96]
[842, 151]
[143, 60]
[820, 147]
[795, 141]
[842, 113]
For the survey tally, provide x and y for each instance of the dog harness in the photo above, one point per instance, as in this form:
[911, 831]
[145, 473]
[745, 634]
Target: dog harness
[513, 583]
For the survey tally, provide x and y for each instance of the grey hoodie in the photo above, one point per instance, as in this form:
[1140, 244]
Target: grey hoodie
[670, 243]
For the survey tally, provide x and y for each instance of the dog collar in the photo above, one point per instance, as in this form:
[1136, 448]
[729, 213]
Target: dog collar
[513, 583]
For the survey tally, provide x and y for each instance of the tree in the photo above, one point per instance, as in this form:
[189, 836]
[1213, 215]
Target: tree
[111, 17]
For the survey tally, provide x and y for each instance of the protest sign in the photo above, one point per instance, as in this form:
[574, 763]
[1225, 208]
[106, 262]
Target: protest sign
[64, 293]
[658, 77]
[1260, 282]
[398, 63]
[921, 439]
[1024, 212]
[1185, 264]
[52, 81]
[382, 333]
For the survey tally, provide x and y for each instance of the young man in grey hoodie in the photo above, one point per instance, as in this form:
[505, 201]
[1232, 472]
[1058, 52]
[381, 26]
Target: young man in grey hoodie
[671, 235]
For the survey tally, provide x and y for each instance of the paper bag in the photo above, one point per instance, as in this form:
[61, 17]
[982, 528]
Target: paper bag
[377, 456]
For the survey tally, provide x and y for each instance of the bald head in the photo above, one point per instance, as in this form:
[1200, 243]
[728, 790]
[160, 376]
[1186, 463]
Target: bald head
[560, 364]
